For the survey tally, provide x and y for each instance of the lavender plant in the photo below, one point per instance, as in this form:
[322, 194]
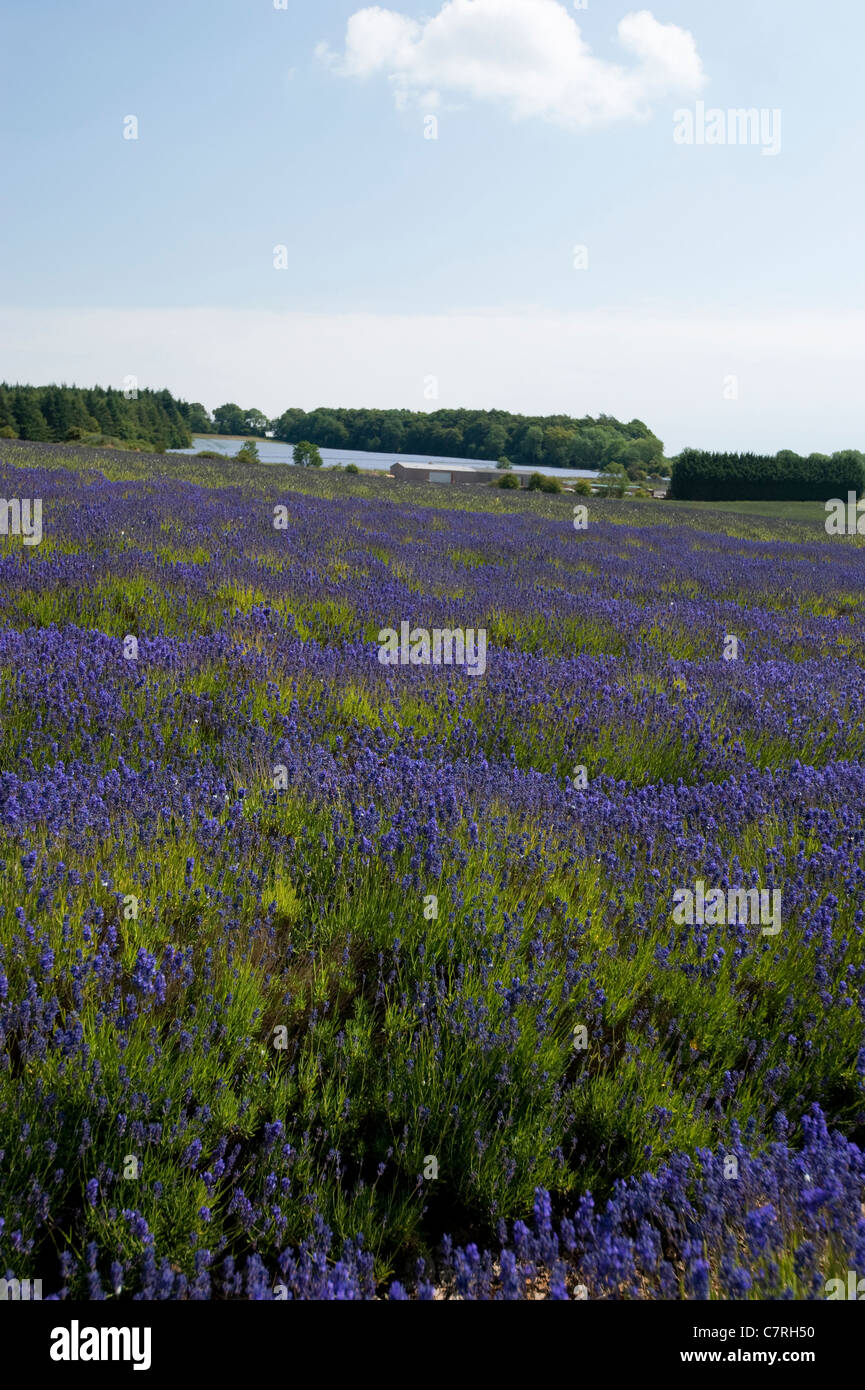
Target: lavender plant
[326, 979]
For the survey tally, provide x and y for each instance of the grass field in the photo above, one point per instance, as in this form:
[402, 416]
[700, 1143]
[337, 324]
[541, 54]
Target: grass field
[806, 512]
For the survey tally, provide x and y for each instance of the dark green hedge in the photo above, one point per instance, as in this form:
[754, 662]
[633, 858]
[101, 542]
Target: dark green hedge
[698, 475]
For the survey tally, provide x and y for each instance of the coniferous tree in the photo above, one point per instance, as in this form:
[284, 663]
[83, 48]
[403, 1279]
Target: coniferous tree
[29, 420]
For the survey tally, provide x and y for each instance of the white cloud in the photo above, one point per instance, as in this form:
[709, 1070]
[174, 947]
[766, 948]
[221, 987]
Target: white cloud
[799, 373]
[527, 55]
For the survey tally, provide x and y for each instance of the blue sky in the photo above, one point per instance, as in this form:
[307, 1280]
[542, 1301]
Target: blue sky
[722, 301]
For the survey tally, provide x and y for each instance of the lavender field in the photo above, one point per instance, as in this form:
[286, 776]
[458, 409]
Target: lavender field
[326, 979]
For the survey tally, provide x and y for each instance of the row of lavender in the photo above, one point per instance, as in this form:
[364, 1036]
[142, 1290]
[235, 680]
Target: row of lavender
[297, 948]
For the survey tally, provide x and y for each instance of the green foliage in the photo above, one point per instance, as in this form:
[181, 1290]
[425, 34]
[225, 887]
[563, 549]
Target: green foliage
[613, 482]
[49, 412]
[538, 483]
[554, 440]
[699, 475]
[509, 480]
[256, 422]
[7, 417]
[197, 418]
[229, 419]
[56, 413]
[352, 468]
[232, 419]
[248, 452]
[29, 418]
[583, 488]
[306, 455]
[107, 441]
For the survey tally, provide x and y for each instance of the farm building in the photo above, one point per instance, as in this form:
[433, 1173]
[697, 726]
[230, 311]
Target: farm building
[447, 473]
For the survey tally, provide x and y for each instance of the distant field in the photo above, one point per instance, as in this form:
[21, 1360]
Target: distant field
[788, 511]
[754, 520]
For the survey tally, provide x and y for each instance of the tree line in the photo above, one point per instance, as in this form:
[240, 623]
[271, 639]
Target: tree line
[156, 417]
[97, 414]
[557, 441]
[786, 476]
